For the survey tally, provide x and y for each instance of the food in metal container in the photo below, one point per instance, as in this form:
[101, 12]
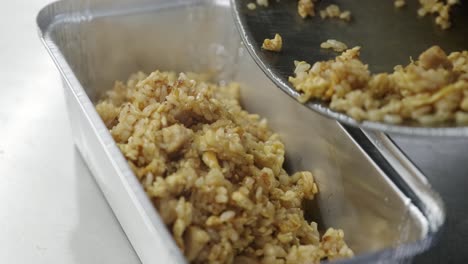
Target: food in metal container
[429, 91]
[215, 172]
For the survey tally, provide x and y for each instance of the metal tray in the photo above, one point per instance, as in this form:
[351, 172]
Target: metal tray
[367, 186]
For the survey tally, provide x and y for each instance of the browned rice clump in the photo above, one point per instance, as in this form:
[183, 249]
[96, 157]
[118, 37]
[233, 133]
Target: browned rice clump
[430, 91]
[440, 8]
[275, 44]
[214, 172]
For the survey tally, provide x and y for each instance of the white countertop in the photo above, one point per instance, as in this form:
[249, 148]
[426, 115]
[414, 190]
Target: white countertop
[53, 211]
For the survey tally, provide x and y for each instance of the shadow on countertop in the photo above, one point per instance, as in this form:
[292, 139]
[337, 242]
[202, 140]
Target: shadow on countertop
[98, 237]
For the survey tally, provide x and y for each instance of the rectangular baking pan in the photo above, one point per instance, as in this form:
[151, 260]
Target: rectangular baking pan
[367, 186]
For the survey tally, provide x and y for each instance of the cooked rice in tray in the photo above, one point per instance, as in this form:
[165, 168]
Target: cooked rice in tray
[215, 172]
